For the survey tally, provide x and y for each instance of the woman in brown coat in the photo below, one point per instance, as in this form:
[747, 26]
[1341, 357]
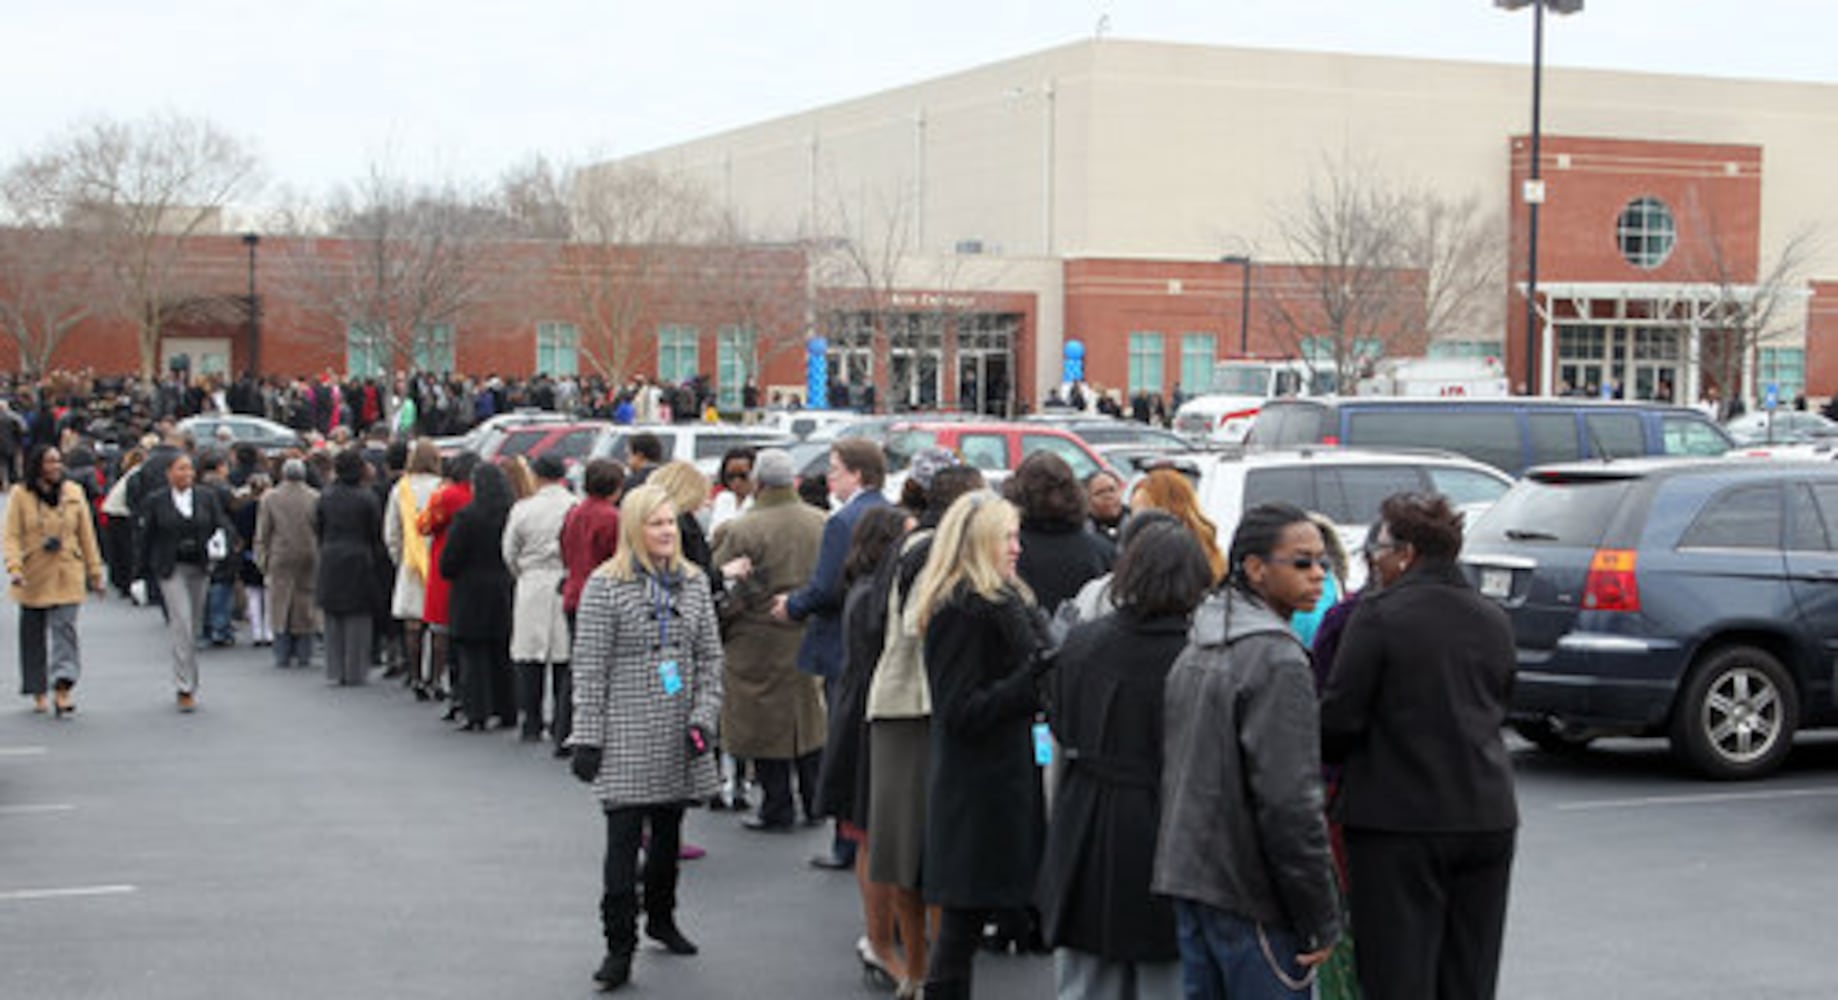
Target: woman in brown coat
[51, 554]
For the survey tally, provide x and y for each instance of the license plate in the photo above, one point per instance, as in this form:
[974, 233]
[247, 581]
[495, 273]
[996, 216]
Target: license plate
[1497, 583]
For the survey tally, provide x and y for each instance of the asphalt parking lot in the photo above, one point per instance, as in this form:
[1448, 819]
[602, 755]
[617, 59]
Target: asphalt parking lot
[295, 840]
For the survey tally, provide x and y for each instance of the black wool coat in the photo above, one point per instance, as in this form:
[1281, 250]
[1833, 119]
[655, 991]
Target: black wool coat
[1106, 695]
[479, 601]
[984, 820]
[1058, 558]
[347, 522]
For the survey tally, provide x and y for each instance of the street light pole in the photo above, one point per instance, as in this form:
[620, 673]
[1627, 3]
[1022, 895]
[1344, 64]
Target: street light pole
[1243, 260]
[250, 240]
[1534, 185]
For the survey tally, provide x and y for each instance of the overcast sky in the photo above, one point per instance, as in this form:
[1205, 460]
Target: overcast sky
[462, 89]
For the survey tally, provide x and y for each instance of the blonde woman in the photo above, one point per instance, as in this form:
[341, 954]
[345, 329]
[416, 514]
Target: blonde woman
[985, 821]
[647, 695]
[688, 490]
[408, 549]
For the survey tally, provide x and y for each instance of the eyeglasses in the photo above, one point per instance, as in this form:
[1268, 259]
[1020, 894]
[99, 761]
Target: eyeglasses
[1306, 563]
[734, 474]
[1374, 548]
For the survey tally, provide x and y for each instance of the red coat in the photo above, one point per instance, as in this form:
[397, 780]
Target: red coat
[589, 536]
[434, 521]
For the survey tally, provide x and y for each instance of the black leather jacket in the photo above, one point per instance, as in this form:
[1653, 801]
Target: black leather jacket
[1242, 827]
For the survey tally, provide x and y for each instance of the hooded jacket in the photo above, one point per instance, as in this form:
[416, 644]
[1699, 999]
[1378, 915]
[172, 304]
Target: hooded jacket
[1242, 826]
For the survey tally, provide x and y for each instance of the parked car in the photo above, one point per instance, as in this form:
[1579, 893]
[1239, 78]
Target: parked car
[1344, 485]
[809, 424]
[1690, 599]
[486, 432]
[270, 437]
[703, 444]
[1102, 431]
[994, 447]
[1781, 427]
[1509, 434]
[568, 441]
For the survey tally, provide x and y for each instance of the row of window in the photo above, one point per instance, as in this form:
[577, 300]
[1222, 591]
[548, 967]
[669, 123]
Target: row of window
[1198, 353]
[558, 352]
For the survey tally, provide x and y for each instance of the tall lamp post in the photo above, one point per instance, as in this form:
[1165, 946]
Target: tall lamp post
[251, 240]
[1243, 260]
[1534, 185]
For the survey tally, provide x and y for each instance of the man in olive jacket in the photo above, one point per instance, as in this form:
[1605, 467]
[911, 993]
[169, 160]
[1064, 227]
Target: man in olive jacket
[773, 713]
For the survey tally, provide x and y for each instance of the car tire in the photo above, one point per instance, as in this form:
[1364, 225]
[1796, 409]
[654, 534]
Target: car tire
[1736, 715]
[1545, 735]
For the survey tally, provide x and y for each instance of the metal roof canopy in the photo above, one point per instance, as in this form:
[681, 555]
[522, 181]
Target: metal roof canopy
[1673, 302]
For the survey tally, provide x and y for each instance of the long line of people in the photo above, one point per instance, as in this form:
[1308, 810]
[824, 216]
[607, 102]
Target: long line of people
[1028, 733]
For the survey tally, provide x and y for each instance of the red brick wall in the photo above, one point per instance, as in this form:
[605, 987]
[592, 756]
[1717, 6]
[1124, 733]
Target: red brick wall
[1822, 340]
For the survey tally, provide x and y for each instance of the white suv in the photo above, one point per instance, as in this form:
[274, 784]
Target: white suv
[1344, 485]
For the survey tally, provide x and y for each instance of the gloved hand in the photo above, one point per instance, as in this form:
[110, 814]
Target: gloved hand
[701, 741]
[586, 763]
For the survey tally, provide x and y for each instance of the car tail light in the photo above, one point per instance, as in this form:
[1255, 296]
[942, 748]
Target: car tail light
[1226, 418]
[1332, 440]
[1610, 585]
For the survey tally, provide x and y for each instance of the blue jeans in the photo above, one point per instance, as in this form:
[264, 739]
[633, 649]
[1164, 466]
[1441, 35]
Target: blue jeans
[1223, 957]
[219, 601]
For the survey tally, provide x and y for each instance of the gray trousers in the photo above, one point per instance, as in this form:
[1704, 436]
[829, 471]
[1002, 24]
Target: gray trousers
[347, 648]
[59, 621]
[1082, 975]
[183, 594]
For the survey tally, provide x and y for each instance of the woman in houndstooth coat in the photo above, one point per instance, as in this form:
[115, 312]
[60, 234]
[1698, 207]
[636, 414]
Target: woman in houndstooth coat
[647, 695]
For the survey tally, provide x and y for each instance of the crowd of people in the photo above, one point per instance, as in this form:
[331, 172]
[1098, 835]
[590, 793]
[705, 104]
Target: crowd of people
[1054, 717]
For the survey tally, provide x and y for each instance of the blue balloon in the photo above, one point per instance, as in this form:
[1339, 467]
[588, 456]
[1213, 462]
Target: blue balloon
[816, 347]
[1075, 350]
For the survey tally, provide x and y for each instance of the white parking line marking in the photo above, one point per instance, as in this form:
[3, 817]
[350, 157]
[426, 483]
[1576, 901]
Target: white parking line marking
[34, 810]
[1712, 798]
[22, 751]
[73, 891]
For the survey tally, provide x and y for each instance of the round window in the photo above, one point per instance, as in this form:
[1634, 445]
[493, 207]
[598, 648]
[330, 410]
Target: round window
[1646, 233]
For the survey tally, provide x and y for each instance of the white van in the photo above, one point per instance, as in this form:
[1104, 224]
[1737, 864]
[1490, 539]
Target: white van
[1240, 388]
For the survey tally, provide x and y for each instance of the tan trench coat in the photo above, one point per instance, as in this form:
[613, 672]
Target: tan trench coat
[772, 710]
[288, 555]
[51, 578]
[533, 554]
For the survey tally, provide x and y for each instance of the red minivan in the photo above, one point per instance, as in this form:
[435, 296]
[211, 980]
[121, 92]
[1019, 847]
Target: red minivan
[992, 446]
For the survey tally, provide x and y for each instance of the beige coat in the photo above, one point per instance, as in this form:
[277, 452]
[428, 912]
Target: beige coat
[772, 710]
[411, 590]
[288, 555]
[533, 554]
[51, 578]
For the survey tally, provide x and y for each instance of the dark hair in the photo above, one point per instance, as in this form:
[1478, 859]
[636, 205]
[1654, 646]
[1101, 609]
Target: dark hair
[548, 467]
[603, 477]
[645, 445]
[1426, 522]
[912, 497]
[748, 453]
[1045, 489]
[459, 467]
[395, 457]
[348, 466]
[1103, 473]
[491, 489]
[1258, 532]
[864, 458]
[246, 454]
[948, 484]
[1141, 520]
[35, 462]
[875, 534]
[209, 460]
[1162, 571]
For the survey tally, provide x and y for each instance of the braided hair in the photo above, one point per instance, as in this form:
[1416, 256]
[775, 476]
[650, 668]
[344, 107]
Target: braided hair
[1258, 533]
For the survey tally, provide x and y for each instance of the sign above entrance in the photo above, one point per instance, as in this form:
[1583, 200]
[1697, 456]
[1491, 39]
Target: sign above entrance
[931, 300]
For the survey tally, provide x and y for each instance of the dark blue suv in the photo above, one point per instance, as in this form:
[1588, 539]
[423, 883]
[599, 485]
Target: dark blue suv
[1693, 599]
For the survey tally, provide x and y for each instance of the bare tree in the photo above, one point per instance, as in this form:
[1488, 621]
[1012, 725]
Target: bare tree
[857, 270]
[411, 259]
[533, 197]
[1347, 236]
[633, 227]
[141, 192]
[1459, 249]
[758, 299]
[47, 273]
[1747, 304]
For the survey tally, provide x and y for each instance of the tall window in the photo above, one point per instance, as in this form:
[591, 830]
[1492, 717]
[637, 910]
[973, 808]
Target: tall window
[433, 348]
[676, 353]
[1145, 362]
[735, 360]
[366, 353]
[557, 348]
[1783, 366]
[1197, 353]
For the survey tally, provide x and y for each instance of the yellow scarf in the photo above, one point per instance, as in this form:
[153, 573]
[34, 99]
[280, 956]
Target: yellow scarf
[414, 543]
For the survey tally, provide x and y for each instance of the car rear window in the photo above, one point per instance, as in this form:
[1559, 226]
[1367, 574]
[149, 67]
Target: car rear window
[1287, 426]
[1745, 518]
[1293, 485]
[1351, 494]
[574, 444]
[1614, 435]
[1553, 512]
[1490, 436]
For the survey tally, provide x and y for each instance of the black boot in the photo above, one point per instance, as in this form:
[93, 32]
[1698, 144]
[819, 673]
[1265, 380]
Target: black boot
[619, 922]
[660, 908]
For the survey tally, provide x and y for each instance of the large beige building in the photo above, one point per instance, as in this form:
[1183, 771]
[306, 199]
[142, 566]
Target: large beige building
[1001, 177]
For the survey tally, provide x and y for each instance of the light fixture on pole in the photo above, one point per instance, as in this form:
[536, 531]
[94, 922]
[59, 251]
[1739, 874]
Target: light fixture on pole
[1534, 185]
[251, 240]
[1243, 260]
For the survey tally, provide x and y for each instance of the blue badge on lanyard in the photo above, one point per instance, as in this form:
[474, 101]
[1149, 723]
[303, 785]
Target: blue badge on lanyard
[1043, 744]
[670, 676]
[667, 673]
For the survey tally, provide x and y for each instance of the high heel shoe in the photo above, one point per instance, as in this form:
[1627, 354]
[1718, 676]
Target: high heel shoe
[875, 971]
[421, 693]
[38, 704]
[61, 702]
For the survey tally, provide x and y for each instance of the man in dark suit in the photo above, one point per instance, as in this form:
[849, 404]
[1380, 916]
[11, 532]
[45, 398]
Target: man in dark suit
[857, 469]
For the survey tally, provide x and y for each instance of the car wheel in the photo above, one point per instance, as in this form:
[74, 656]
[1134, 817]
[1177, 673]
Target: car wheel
[1549, 737]
[1737, 714]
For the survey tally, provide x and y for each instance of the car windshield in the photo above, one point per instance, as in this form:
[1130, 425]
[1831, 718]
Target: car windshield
[1572, 512]
[1242, 380]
